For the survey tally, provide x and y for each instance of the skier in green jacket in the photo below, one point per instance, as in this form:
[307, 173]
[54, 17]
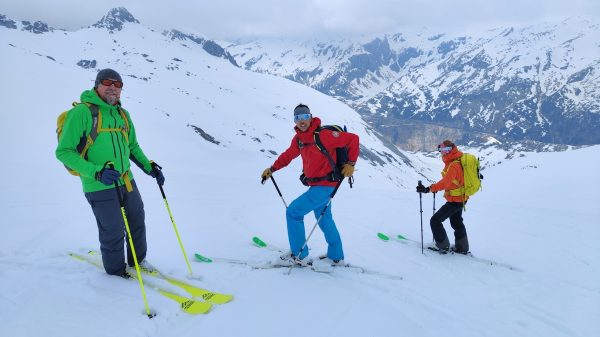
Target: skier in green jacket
[105, 162]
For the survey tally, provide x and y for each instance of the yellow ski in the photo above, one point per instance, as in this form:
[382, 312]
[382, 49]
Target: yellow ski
[207, 295]
[188, 305]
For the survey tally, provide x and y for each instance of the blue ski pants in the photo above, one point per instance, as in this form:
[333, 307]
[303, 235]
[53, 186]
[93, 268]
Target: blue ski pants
[315, 199]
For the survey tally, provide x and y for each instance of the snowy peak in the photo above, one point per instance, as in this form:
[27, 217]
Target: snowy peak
[37, 27]
[7, 22]
[211, 47]
[115, 19]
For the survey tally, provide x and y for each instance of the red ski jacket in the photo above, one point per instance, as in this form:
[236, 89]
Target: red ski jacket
[314, 163]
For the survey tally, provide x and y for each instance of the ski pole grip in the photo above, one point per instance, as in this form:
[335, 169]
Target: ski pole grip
[112, 167]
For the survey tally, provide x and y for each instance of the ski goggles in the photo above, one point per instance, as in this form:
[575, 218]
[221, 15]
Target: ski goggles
[108, 83]
[444, 149]
[302, 117]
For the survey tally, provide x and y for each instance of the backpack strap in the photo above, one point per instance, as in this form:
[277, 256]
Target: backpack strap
[323, 150]
[334, 175]
[124, 130]
[461, 190]
[96, 126]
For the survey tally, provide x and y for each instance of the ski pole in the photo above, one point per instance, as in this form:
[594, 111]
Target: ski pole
[320, 216]
[421, 209]
[137, 266]
[162, 191]
[278, 191]
[432, 237]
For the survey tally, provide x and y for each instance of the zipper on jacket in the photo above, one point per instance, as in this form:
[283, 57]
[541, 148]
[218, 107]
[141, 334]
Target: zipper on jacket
[112, 137]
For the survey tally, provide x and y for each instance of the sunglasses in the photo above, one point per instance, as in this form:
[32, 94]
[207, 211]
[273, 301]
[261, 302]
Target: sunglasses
[302, 117]
[444, 149]
[108, 83]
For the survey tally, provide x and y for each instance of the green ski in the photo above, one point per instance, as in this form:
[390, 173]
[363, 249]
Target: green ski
[201, 258]
[404, 240]
[349, 267]
[384, 237]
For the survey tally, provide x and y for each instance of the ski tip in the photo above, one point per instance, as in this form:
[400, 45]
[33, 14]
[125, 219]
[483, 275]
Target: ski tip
[400, 237]
[383, 237]
[201, 258]
[258, 242]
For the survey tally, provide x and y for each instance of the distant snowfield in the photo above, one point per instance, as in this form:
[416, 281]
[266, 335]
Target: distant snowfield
[538, 213]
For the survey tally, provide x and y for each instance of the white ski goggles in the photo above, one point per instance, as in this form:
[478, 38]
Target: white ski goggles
[444, 149]
[302, 117]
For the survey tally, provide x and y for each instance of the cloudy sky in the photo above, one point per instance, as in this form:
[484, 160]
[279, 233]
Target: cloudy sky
[232, 19]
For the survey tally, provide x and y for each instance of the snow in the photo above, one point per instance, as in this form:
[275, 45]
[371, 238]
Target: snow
[535, 213]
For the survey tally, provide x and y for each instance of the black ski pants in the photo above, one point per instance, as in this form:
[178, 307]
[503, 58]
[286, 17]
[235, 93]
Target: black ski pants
[111, 226]
[452, 210]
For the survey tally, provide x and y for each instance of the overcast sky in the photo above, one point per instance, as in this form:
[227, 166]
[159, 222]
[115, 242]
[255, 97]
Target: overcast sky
[232, 19]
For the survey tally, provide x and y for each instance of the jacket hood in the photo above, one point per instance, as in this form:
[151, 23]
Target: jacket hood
[91, 96]
[452, 155]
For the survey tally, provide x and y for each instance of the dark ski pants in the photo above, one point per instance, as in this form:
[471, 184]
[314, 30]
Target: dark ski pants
[452, 210]
[111, 226]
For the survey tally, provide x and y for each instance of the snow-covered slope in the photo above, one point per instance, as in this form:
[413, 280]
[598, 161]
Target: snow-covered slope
[218, 204]
[219, 103]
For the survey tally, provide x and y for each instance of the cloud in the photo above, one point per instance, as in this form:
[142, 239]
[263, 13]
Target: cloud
[231, 19]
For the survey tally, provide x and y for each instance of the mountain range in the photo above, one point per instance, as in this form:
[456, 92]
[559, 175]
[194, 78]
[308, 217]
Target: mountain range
[527, 87]
[535, 84]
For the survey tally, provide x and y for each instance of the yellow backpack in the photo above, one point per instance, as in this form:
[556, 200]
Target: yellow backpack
[470, 165]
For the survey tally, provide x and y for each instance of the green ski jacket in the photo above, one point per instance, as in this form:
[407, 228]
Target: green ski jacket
[112, 145]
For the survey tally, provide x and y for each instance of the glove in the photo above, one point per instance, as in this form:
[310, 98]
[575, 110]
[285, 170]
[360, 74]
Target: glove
[422, 189]
[156, 172]
[266, 174]
[347, 170]
[108, 176]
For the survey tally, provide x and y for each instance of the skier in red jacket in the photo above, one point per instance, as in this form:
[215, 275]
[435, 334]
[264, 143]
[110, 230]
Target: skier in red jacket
[318, 175]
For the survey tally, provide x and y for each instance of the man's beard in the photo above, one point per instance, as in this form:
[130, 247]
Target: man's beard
[111, 98]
